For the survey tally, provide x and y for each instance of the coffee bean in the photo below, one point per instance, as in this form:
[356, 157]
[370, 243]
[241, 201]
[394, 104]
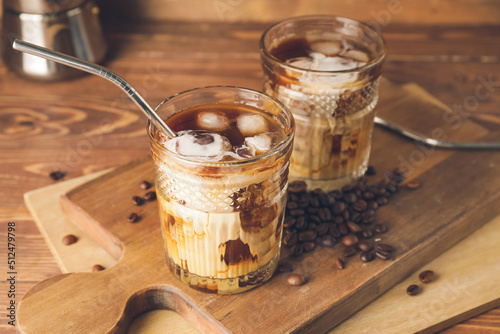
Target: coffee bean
[367, 233]
[343, 229]
[298, 250]
[350, 240]
[360, 205]
[297, 186]
[69, 239]
[381, 201]
[347, 188]
[145, 185]
[289, 222]
[57, 175]
[325, 214]
[364, 246]
[290, 239]
[339, 263]
[322, 229]
[413, 185]
[314, 202]
[309, 246]
[97, 267]
[366, 256]
[325, 199]
[354, 228]
[372, 205]
[137, 200]
[293, 197]
[285, 267]
[297, 212]
[368, 216]
[308, 235]
[336, 194]
[426, 276]
[334, 231]
[346, 215]
[370, 171]
[350, 198]
[296, 279]
[292, 205]
[349, 251]
[150, 196]
[326, 241]
[380, 228]
[384, 251]
[339, 208]
[413, 290]
[338, 220]
[133, 217]
[301, 223]
[311, 226]
[391, 187]
[314, 219]
[311, 210]
[367, 195]
[303, 203]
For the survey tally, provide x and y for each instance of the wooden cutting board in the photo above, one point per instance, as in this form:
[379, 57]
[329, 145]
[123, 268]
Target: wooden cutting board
[467, 283]
[459, 194]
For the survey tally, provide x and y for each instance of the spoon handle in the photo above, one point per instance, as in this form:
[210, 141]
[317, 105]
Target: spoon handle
[98, 70]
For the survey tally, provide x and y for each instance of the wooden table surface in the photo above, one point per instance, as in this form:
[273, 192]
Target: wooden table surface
[87, 124]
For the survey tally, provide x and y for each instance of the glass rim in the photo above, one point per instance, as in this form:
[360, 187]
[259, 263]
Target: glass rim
[264, 51]
[289, 135]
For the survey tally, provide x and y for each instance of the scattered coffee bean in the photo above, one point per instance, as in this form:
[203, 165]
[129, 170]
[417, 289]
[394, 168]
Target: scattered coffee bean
[297, 212]
[380, 228]
[367, 233]
[372, 205]
[308, 235]
[145, 185]
[298, 250]
[370, 171]
[413, 185]
[309, 246]
[301, 223]
[322, 229]
[381, 201]
[292, 205]
[349, 251]
[290, 239]
[384, 251]
[296, 279]
[339, 263]
[150, 196]
[133, 217]
[413, 290]
[97, 267]
[285, 267]
[343, 229]
[365, 246]
[326, 241]
[57, 175]
[350, 240]
[297, 186]
[354, 228]
[137, 200]
[289, 222]
[426, 276]
[69, 239]
[324, 214]
[339, 207]
[360, 205]
[366, 256]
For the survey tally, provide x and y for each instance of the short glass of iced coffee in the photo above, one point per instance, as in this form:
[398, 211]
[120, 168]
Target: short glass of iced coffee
[221, 185]
[326, 69]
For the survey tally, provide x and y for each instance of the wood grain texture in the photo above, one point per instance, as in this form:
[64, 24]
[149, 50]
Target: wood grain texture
[446, 60]
[381, 11]
[422, 224]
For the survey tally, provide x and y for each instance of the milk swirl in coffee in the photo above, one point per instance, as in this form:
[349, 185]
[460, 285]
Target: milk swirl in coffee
[222, 221]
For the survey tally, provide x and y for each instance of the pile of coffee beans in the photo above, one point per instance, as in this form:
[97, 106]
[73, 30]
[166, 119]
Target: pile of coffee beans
[344, 217]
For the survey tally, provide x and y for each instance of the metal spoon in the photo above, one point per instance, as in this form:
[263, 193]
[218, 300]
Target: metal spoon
[89, 67]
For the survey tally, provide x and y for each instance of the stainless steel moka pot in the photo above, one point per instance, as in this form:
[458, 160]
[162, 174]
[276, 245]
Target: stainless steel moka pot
[67, 26]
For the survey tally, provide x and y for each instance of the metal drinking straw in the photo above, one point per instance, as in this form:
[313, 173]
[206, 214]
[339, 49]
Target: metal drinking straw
[89, 67]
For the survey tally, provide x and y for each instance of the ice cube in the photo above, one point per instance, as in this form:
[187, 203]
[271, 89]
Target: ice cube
[301, 62]
[260, 143]
[358, 55]
[328, 48]
[192, 143]
[332, 64]
[250, 125]
[213, 121]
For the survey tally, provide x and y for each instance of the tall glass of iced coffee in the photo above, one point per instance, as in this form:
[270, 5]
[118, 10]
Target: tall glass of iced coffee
[326, 69]
[221, 185]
